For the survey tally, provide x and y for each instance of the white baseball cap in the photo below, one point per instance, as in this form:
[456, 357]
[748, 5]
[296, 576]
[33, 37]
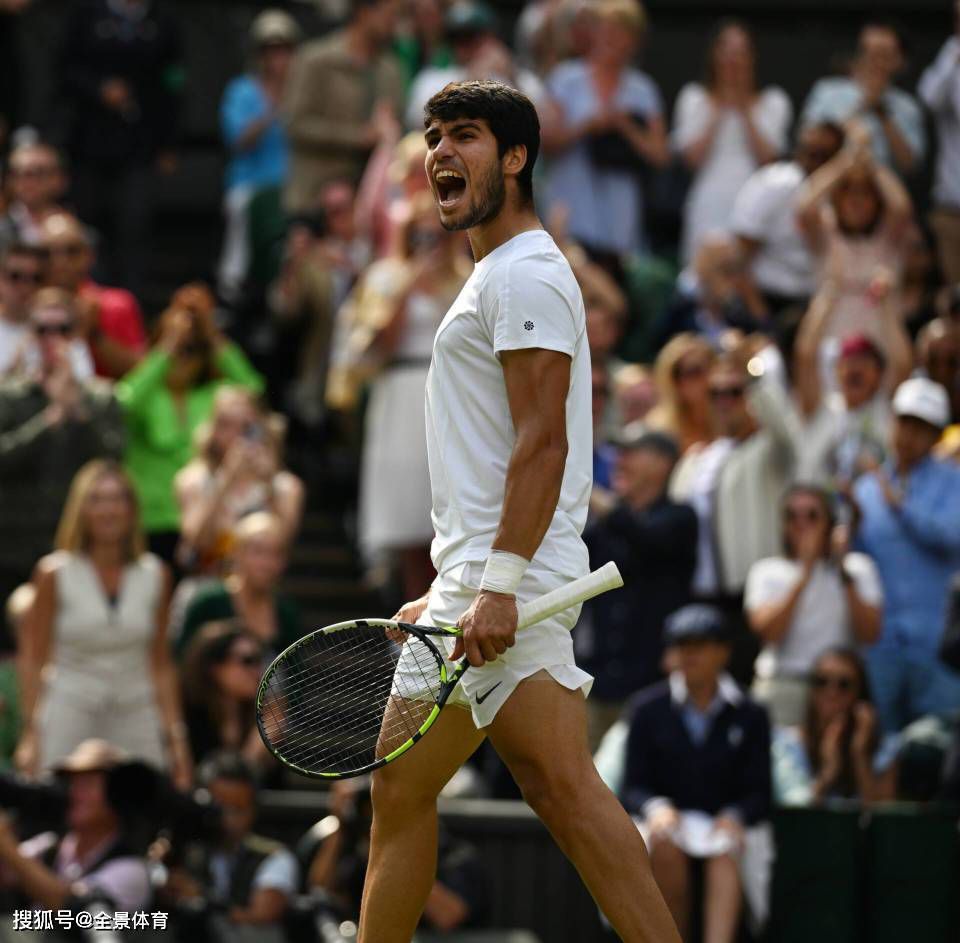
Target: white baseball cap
[923, 399]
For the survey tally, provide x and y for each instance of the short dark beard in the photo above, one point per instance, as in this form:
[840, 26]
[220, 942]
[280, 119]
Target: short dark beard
[489, 202]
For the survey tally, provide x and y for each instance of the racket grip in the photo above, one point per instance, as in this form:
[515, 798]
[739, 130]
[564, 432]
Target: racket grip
[593, 584]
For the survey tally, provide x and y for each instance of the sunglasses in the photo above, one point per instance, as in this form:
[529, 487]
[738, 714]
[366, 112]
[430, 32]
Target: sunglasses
[727, 392]
[843, 683]
[810, 515]
[71, 250]
[694, 371]
[20, 277]
[194, 350]
[32, 171]
[246, 660]
[61, 330]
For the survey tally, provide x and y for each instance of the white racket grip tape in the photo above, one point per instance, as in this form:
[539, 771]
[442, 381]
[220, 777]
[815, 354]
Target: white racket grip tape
[593, 584]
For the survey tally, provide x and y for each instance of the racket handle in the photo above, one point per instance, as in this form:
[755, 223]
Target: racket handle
[593, 584]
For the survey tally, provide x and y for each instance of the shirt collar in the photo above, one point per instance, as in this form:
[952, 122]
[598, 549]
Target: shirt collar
[727, 691]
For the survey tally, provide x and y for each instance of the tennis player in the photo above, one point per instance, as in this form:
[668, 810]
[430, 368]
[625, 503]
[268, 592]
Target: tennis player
[510, 452]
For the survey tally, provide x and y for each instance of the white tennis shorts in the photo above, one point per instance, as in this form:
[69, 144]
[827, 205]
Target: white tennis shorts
[545, 646]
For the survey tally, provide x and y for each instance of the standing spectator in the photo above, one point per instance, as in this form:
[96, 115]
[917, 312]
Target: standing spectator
[111, 321]
[96, 656]
[938, 357]
[121, 79]
[331, 135]
[724, 130]
[255, 138]
[939, 89]
[52, 422]
[610, 129]
[764, 220]
[37, 182]
[814, 597]
[22, 272]
[910, 524]
[836, 750]
[654, 543]
[166, 398]
[422, 44]
[698, 752]
[892, 116]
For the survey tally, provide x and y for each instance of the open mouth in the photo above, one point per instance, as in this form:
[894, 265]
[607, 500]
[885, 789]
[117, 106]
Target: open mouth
[450, 187]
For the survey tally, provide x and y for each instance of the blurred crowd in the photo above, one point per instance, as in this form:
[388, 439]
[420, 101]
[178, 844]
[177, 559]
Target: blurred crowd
[773, 314]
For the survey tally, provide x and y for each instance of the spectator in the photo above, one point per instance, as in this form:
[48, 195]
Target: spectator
[682, 371]
[654, 543]
[52, 421]
[698, 772]
[921, 279]
[423, 43]
[391, 322]
[893, 119]
[37, 183]
[332, 135]
[910, 524]
[96, 658]
[724, 130]
[814, 597]
[635, 393]
[221, 674]
[255, 138]
[836, 751]
[854, 214]
[16, 612]
[764, 220]
[121, 78]
[604, 454]
[22, 272]
[609, 131]
[111, 321]
[244, 881]
[93, 866]
[939, 89]
[938, 357]
[167, 397]
[238, 471]
[259, 546]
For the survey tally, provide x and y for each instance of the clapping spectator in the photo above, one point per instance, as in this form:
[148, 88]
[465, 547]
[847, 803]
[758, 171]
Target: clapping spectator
[96, 656]
[168, 396]
[816, 596]
[837, 750]
[682, 373]
[37, 183]
[909, 513]
[725, 129]
[22, 272]
[609, 130]
[893, 118]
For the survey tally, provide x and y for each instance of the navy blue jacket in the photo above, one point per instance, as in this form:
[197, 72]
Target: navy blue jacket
[731, 771]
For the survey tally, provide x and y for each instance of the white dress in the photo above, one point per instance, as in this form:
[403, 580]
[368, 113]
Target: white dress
[394, 478]
[730, 161]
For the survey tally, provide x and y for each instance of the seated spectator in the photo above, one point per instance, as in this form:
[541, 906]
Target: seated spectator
[111, 322]
[53, 419]
[243, 881]
[37, 182]
[220, 676]
[854, 213]
[167, 397]
[94, 866]
[238, 471]
[814, 597]
[712, 296]
[635, 393]
[654, 543]
[836, 751]
[604, 453]
[608, 129]
[681, 371]
[724, 130]
[938, 357]
[95, 656]
[22, 272]
[909, 522]
[922, 278]
[893, 117]
[255, 137]
[698, 773]
[764, 220]
[258, 554]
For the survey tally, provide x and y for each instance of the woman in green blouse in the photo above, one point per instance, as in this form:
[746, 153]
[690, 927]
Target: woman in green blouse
[167, 396]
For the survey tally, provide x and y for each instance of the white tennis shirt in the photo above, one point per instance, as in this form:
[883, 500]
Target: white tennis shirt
[522, 295]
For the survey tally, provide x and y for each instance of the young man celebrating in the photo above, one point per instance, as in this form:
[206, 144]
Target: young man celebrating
[509, 443]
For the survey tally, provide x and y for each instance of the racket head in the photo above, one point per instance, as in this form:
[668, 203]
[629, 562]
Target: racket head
[352, 697]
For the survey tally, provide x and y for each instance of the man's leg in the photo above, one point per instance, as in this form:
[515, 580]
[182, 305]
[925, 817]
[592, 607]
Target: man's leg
[671, 868]
[722, 898]
[403, 845]
[541, 734]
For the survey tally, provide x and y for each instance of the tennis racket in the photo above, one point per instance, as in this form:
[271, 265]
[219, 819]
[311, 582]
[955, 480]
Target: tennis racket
[354, 696]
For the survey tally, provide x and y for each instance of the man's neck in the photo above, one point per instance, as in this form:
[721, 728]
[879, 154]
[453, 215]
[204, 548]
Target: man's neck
[95, 837]
[643, 497]
[509, 222]
[359, 44]
[702, 695]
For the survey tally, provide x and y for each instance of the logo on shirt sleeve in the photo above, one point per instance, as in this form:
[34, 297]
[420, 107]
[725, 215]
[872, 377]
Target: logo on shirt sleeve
[528, 325]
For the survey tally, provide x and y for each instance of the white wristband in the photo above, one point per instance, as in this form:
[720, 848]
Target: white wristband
[503, 572]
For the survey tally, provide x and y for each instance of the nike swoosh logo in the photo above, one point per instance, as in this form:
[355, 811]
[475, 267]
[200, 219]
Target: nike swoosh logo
[482, 697]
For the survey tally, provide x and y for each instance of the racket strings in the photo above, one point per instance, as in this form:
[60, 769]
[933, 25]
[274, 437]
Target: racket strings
[344, 700]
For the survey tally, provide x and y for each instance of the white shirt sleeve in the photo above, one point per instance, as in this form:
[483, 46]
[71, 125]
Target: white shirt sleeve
[866, 578]
[939, 87]
[691, 116]
[751, 211]
[278, 872]
[768, 582]
[773, 114]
